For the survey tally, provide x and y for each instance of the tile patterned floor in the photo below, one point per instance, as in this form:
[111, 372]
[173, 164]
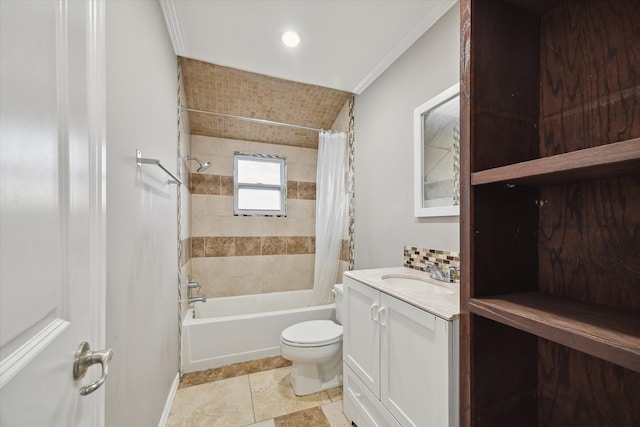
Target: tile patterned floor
[256, 394]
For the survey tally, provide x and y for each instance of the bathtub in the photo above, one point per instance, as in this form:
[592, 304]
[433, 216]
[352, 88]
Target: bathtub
[238, 329]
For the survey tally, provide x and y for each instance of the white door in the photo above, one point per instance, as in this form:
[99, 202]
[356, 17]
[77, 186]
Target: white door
[52, 209]
[362, 338]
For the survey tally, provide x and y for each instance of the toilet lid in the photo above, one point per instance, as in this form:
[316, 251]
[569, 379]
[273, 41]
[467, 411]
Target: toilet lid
[313, 332]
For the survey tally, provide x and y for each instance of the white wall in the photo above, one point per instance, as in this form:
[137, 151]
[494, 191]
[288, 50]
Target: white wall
[384, 220]
[142, 266]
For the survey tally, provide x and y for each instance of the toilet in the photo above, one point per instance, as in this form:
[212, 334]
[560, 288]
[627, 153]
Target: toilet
[315, 348]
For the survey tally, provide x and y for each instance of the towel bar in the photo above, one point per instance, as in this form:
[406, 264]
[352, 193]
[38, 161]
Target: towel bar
[140, 160]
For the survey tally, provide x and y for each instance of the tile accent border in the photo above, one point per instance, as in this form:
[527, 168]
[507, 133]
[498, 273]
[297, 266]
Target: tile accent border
[301, 190]
[351, 182]
[222, 185]
[229, 246]
[415, 257]
[215, 185]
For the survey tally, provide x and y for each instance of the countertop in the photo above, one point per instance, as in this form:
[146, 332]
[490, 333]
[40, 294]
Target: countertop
[446, 306]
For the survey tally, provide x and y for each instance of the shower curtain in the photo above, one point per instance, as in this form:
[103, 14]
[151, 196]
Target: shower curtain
[331, 211]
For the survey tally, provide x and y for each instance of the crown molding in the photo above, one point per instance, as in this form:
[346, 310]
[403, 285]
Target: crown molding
[173, 26]
[425, 22]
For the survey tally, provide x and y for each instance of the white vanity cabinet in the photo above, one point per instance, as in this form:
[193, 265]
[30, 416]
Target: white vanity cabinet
[400, 362]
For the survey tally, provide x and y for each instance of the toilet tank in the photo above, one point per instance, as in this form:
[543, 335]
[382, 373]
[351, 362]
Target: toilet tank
[338, 292]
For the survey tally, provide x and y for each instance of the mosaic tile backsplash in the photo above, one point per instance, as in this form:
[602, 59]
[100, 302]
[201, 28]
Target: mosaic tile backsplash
[415, 257]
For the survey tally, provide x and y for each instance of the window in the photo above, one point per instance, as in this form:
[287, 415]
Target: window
[260, 184]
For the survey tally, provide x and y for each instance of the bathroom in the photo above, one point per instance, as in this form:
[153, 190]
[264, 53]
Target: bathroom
[141, 264]
[110, 214]
[227, 254]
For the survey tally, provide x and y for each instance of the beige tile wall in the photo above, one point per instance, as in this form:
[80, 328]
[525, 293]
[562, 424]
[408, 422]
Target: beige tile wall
[236, 255]
[216, 88]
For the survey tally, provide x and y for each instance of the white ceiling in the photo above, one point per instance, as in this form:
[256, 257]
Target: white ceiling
[346, 44]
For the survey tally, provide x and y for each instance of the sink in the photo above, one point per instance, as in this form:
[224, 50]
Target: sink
[399, 279]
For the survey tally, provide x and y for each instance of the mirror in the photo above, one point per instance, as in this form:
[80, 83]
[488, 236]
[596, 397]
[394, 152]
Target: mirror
[437, 155]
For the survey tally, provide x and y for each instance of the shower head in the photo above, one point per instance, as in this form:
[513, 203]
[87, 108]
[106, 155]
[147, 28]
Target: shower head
[203, 166]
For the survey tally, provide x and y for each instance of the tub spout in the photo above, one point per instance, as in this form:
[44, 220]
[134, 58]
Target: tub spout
[196, 299]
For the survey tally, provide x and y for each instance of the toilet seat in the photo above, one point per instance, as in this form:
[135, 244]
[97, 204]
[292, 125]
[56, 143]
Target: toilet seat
[313, 333]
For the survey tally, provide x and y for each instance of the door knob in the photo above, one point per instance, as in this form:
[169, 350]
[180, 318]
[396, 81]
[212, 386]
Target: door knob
[84, 358]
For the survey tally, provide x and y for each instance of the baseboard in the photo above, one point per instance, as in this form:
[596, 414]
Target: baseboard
[167, 406]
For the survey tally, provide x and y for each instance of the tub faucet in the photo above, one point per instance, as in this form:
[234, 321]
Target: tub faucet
[196, 299]
[436, 273]
[192, 285]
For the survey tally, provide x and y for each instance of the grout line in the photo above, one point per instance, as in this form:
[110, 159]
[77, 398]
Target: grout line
[253, 409]
[253, 405]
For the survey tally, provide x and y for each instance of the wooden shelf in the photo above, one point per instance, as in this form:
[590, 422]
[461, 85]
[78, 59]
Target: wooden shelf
[618, 158]
[609, 334]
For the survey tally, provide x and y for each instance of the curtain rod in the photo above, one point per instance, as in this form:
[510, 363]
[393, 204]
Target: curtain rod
[251, 119]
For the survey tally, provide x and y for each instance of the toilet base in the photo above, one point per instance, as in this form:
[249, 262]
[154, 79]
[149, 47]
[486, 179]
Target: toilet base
[308, 378]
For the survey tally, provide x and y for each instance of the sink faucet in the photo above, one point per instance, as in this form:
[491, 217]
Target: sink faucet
[437, 274]
[451, 269]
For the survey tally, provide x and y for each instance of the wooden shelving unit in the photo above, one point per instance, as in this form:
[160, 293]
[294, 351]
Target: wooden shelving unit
[609, 334]
[614, 159]
[550, 213]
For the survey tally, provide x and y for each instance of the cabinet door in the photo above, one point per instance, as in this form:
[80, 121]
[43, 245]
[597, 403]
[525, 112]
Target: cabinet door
[414, 365]
[362, 333]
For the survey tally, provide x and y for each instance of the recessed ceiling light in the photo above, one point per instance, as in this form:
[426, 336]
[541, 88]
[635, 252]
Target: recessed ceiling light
[291, 39]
